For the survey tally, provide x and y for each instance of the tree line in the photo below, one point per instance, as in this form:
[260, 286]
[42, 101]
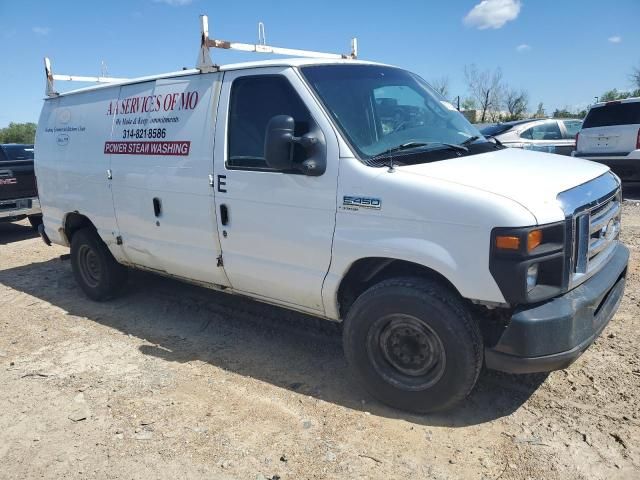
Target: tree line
[18, 133]
[492, 99]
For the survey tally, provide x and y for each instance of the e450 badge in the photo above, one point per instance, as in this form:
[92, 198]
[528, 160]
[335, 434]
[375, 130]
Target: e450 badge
[351, 202]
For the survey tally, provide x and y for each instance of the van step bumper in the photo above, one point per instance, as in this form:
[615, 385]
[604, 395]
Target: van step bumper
[552, 335]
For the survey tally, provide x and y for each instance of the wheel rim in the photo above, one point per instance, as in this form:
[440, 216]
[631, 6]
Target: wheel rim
[89, 266]
[406, 352]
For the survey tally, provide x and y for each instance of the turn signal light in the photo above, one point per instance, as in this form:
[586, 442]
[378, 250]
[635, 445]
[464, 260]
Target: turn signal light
[534, 239]
[507, 242]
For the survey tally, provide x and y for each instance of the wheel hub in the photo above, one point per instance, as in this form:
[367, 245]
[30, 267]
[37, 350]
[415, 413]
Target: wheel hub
[89, 266]
[410, 347]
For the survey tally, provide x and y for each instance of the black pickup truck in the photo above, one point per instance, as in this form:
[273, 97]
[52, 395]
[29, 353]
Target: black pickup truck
[18, 191]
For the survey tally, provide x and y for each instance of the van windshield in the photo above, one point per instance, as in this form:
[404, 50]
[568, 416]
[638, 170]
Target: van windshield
[612, 114]
[382, 108]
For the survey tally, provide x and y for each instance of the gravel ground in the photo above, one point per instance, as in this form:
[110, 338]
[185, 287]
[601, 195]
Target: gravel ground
[174, 381]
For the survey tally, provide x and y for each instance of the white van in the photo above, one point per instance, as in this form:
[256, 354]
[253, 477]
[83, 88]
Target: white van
[348, 190]
[611, 135]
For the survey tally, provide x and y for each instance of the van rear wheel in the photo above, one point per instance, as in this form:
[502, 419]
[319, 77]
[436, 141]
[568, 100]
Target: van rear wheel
[99, 275]
[413, 344]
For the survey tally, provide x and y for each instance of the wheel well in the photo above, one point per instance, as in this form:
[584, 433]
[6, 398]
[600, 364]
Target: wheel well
[366, 272]
[73, 222]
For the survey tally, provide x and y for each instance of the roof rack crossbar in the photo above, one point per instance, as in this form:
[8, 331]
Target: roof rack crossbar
[51, 77]
[205, 64]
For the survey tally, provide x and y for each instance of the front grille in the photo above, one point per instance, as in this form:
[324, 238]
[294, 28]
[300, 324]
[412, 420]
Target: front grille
[596, 231]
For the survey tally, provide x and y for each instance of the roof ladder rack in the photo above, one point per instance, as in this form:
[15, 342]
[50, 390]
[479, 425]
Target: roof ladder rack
[205, 64]
[51, 77]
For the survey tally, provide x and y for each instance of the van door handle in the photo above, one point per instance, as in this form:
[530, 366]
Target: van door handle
[157, 207]
[224, 214]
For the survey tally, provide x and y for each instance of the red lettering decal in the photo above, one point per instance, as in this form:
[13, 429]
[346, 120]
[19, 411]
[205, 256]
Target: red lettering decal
[180, 148]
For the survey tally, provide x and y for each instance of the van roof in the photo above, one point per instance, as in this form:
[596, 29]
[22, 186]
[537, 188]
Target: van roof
[280, 62]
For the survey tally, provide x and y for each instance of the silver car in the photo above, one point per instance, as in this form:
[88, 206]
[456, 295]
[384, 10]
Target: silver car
[541, 134]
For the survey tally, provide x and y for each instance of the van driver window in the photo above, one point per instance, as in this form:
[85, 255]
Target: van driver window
[255, 101]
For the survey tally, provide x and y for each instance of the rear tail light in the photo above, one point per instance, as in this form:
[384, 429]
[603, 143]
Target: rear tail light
[577, 137]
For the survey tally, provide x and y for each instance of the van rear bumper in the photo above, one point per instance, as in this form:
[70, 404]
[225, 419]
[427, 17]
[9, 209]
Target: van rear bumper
[19, 208]
[552, 335]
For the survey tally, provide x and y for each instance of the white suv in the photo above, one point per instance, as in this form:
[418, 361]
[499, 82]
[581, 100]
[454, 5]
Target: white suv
[611, 135]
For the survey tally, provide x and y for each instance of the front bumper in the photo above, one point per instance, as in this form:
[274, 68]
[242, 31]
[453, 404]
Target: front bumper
[19, 208]
[552, 335]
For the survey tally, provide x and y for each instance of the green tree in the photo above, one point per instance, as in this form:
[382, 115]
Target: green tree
[566, 113]
[540, 112]
[614, 94]
[18, 133]
[469, 104]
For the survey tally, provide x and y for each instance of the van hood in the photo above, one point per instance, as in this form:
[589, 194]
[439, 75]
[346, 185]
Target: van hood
[533, 179]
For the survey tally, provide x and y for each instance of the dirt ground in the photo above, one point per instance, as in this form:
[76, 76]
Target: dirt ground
[174, 381]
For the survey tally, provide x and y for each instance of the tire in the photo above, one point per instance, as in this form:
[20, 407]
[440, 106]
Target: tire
[99, 275]
[35, 221]
[413, 344]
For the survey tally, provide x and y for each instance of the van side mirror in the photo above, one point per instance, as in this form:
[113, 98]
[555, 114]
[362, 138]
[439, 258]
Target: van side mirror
[278, 142]
[278, 147]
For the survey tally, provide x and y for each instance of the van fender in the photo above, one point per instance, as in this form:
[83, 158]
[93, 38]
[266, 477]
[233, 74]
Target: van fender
[469, 276]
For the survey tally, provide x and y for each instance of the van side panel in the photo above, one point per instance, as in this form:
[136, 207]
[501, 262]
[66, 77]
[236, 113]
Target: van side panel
[161, 154]
[71, 168]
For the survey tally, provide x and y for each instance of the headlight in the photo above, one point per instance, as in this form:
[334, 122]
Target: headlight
[528, 263]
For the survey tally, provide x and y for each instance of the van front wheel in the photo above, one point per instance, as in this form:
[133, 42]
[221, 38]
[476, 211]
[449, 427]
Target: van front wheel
[99, 275]
[413, 344]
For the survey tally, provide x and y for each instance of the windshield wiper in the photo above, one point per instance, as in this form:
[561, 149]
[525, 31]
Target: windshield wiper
[495, 139]
[469, 140]
[412, 145]
[399, 148]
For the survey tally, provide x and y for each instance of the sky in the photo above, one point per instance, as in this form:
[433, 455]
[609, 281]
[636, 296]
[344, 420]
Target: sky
[562, 52]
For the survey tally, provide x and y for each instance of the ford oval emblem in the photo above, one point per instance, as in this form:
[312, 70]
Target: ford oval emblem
[63, 139]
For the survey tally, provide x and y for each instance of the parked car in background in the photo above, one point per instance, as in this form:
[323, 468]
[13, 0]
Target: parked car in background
[611, 135]
[18, 192]
[542, 134]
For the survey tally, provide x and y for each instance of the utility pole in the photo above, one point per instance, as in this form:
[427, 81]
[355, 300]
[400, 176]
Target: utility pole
[458, 102]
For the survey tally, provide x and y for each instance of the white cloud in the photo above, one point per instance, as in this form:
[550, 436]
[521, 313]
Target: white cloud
[492, 13]
[523, 48]
[174, 3]
[615, 39]
[41, 30]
